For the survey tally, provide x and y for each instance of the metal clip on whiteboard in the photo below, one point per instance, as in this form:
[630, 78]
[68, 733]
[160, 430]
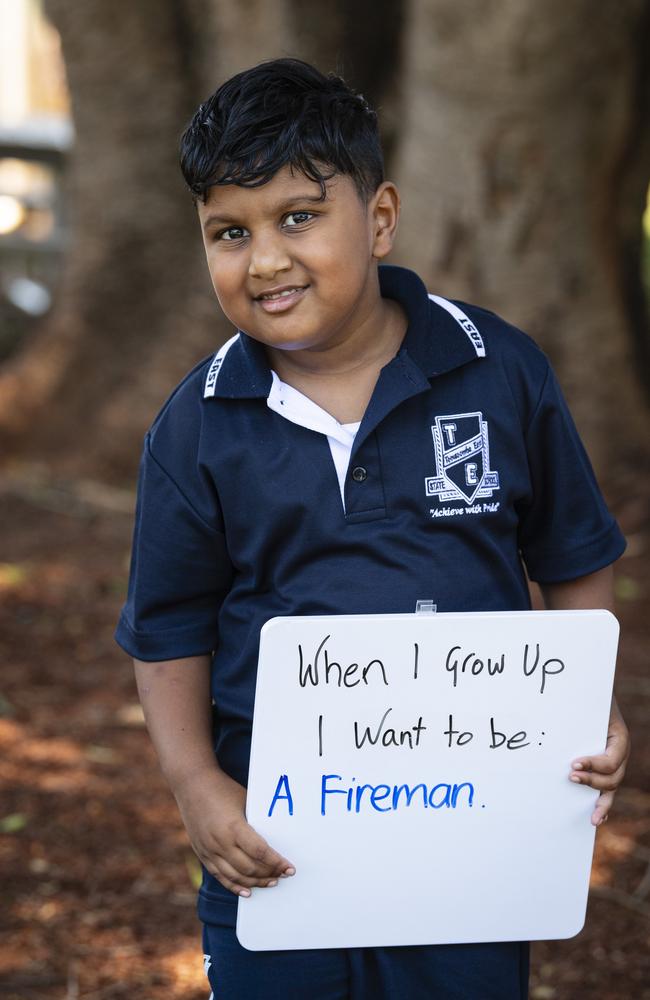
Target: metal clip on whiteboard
[425, 608]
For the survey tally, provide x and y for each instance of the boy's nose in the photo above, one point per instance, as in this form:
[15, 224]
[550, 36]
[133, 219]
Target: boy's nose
[268, 258]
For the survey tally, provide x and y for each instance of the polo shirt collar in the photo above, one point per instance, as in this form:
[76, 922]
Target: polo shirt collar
[436, 342]
[239, 370]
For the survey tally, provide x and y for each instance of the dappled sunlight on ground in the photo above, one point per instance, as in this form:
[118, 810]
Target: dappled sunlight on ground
[98, 876]
[185, 972]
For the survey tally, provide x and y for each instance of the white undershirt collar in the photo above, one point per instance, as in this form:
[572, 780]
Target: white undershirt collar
[293, 405]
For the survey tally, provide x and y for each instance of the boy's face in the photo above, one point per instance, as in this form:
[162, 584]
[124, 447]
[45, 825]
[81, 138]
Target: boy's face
[291, 270]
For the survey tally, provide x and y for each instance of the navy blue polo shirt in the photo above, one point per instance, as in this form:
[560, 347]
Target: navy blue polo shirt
[466, 467]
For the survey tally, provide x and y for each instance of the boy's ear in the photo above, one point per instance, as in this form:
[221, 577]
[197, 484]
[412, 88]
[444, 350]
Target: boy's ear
[384, 211]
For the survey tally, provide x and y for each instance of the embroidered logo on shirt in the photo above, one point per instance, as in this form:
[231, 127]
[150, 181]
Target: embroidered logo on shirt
[462, 453]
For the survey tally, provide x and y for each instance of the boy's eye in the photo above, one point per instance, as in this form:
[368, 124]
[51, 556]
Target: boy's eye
[297, 218]
[233, 233]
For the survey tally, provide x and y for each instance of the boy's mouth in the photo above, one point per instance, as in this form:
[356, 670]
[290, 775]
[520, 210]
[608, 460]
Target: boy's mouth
[281, 298]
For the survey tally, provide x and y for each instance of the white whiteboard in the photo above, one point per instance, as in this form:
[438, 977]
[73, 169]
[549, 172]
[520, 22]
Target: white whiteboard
[455, 836]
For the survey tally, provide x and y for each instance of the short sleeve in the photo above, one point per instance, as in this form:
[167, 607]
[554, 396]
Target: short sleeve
[566, 530]
[180, 572]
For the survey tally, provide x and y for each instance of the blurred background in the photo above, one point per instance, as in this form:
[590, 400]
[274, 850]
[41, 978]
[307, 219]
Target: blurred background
[519, 135]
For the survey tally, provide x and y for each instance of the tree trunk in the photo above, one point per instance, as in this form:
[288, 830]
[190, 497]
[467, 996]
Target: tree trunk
[524, 160]
[135, 309]
[362, 42]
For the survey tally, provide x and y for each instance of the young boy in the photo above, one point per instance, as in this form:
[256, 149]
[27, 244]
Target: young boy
[356, 445]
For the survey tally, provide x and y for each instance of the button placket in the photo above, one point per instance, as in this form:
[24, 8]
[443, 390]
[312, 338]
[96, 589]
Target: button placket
[364, 494]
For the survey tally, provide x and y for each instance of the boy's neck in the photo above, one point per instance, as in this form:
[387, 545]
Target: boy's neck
[341, 378]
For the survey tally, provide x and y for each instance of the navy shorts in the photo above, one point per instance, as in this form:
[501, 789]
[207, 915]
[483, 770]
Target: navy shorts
[434, 972]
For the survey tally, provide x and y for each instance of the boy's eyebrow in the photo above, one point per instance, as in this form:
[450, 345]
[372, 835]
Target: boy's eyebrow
[281, 206]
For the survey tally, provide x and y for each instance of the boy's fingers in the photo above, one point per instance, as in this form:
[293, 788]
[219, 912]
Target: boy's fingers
[239, 861]
[616, 752]
[235, 881]
[250, 867]
[603, 770]
[262, 856]
[603, 805]
[603, 781]
[603, 763]
[237, 850]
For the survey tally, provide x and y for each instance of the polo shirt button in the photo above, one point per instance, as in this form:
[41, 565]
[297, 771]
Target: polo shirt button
[359, 474]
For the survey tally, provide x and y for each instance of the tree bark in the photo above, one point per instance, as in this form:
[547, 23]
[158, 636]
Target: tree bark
[524, 161]
[135, 309]
[362, 42]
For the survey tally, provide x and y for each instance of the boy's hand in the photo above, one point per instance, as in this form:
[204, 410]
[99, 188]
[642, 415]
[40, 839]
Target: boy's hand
[175, 696]
[212, 808]
[605, 771]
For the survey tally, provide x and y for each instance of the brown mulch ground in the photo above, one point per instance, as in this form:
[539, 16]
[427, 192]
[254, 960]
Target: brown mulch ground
[97, 892]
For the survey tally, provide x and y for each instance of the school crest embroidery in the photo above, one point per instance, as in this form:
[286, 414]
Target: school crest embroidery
[462, 453]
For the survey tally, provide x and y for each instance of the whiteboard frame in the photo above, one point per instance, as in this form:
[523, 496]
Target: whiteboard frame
[342, 896]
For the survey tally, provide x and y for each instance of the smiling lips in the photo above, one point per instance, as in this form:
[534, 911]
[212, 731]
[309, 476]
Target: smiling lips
[282, 298]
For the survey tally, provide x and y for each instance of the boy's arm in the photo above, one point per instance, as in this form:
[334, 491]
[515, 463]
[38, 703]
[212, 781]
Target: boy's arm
[604, 771]
[175, 697]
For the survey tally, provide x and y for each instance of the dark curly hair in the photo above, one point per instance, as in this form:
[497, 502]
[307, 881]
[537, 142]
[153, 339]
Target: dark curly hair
[283, 112]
